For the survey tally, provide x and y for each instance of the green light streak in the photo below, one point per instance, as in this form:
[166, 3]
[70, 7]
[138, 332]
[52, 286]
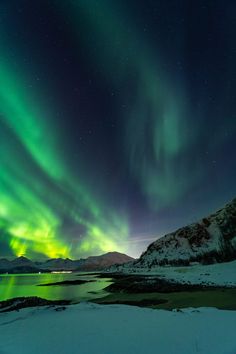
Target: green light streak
[19, 112]
[38, 191]
[157, 133]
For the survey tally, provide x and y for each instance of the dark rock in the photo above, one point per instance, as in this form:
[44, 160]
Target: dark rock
[143, 284]
[67, 282]
[23, 302]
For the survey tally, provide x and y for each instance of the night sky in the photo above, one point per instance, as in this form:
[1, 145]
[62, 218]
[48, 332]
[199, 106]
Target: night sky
[117, 122]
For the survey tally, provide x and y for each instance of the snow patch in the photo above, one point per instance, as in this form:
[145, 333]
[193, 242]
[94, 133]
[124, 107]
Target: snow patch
[117, 329]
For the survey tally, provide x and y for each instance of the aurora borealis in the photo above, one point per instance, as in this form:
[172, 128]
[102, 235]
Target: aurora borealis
[117, 122]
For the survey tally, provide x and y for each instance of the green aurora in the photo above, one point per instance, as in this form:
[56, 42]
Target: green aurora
[157, 135]
[161, 129]
[34, 204]
[117, 122]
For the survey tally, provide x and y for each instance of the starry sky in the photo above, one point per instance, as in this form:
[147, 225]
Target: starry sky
[117, 122]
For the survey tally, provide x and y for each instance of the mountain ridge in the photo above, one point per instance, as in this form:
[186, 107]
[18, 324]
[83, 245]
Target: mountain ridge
[210, 240]
[25, 265]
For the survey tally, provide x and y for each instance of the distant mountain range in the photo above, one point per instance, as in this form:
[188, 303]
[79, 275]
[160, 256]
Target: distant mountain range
[210, 240]
[94, 263]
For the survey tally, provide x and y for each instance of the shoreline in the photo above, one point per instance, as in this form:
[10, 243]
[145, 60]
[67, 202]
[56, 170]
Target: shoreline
[166, 288]
[220, 298]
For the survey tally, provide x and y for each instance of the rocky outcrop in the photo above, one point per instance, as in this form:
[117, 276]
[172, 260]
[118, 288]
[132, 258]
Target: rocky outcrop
[211, 239]
[18, 303]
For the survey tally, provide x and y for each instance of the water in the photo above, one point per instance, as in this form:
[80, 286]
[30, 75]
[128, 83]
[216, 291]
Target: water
[16, 285]
[26, 285]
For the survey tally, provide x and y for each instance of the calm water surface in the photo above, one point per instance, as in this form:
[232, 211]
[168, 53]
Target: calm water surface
[26, 285]
[15, 285]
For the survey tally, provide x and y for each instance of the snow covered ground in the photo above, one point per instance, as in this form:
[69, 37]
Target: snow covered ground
[222, 274]
[117, 329]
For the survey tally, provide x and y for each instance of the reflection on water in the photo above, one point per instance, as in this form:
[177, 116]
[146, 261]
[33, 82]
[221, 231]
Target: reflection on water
[16, 285]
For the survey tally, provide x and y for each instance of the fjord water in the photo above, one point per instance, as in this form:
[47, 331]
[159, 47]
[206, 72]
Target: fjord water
[17, 285]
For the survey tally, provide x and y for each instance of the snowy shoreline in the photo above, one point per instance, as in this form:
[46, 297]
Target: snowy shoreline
[89, 328]
[218, 274]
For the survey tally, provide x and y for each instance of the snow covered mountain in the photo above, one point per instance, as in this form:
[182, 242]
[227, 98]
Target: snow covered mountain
[24, 265]
[88, 264]
[18, 265]
[22, 262]
[104, 261]
[58, 264]
[211, 240]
